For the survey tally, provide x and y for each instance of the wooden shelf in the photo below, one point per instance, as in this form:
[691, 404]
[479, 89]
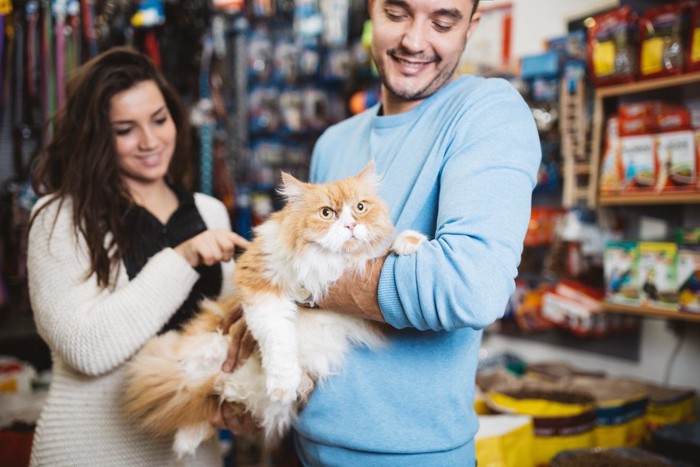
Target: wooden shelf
[628, 199]
[648, 85]
[651, 312]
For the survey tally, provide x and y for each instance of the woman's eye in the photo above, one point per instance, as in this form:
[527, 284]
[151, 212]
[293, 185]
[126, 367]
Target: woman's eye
[161, 120]
[122, 131]
[326, 213]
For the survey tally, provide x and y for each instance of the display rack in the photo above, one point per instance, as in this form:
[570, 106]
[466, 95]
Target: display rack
[650, 312]
[610, 95]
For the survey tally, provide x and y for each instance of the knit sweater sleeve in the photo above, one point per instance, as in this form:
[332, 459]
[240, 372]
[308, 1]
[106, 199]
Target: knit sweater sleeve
[486, 183]
[94, 330]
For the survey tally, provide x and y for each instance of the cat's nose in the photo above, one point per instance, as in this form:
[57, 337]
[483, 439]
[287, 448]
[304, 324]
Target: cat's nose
[351, 226]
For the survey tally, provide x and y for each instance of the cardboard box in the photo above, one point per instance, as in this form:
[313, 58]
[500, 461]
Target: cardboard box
[620, 268]
[658, 276]
[677, 161]
[689, 278]
[639, 162]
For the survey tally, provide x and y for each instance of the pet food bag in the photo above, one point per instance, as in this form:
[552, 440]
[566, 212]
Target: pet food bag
[504, 441]
[662, 48]
[563, 418]
[613, 47]
[620, 410]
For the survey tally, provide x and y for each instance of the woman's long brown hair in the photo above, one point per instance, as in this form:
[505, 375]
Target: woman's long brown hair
[80, 161]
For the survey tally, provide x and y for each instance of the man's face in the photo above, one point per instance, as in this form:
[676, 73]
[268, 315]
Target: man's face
[417, 44]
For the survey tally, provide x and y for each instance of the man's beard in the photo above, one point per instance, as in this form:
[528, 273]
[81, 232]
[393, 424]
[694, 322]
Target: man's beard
[428, 90]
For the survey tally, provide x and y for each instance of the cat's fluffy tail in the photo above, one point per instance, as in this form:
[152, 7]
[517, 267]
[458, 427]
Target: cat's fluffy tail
[170, 382]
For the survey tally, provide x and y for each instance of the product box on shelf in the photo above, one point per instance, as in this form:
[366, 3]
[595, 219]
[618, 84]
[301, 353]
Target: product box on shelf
[689, 278]
[620, 268]
[676, 153]
[658, 276]
[612, 171]
[639, 162]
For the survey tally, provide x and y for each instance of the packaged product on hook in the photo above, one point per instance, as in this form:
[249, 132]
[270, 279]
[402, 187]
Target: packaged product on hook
[662, 49]
[694, 45]
[613, 47]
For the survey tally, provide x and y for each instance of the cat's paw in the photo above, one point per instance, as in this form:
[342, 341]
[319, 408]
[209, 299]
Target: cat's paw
[188, 439]
[282, 386]
[407, 242]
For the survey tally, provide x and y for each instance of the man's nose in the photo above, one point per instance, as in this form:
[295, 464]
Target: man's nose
[414, 37]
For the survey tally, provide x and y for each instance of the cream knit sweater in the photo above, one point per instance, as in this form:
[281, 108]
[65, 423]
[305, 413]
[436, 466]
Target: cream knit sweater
[92, 332]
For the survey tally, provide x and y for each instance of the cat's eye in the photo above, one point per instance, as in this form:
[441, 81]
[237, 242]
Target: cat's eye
[326, 213]
[360, 207]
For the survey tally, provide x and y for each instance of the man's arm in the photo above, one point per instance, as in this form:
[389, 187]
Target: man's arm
[356, 294]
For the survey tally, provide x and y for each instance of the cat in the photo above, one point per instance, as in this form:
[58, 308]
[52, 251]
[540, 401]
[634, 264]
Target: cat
[174, 384]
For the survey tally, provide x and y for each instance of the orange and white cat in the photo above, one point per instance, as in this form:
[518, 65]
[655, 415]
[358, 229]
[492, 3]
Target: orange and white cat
[175, 383]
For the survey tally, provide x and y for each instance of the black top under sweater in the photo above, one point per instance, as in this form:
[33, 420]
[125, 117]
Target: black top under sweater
[149, 236]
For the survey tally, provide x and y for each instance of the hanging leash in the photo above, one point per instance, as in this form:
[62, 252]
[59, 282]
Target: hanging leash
[59, 12]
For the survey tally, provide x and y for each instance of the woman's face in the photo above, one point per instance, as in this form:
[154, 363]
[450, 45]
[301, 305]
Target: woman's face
[144, 134]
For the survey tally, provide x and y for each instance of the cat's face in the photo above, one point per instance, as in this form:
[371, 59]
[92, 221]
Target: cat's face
[346, 217]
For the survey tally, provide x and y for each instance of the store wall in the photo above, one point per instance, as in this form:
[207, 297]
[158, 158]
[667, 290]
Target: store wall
[535, 21]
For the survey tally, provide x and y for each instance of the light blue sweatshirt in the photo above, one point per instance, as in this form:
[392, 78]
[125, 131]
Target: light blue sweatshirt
[459, 167]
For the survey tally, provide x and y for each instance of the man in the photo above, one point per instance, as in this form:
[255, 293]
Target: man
[458, 157]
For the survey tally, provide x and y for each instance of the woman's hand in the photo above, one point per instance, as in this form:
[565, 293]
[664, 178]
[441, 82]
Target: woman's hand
[210, 247]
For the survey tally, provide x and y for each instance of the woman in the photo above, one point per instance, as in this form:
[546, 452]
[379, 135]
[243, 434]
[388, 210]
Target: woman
[119, 250]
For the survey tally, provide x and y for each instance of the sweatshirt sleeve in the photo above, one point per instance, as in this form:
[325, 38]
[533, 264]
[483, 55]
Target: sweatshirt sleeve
[464, 276]
[95, 330]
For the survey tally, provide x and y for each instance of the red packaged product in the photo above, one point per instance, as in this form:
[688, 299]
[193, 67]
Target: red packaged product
[613, 47]
[662, 46]
[645, 109]
[638, 126]
[673, 120]
[694, 40]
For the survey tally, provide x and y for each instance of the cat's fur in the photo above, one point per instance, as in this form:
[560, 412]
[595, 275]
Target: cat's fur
[175, 383]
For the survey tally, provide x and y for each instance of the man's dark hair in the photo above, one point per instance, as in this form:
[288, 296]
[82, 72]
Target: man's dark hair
[476, 5]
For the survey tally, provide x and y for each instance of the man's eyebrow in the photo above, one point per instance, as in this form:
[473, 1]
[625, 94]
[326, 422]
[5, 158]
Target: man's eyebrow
[448, 12]
[399, 3]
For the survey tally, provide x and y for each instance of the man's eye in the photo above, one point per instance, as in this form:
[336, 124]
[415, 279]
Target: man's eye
[395, 15]
[441, 27]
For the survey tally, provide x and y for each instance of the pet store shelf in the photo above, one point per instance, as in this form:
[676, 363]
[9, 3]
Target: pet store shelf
[609, 95]
[650, 312]
[625, 199]
[648, 85]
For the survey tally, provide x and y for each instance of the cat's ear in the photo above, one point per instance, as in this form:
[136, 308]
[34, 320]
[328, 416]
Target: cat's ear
[370, 176]
[291, 188]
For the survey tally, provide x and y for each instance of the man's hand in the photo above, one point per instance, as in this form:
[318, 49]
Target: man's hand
[237, 419]
[356, 294]
[242, 341]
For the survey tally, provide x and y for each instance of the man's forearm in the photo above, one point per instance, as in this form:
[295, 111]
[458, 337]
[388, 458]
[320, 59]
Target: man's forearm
[356, 294]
